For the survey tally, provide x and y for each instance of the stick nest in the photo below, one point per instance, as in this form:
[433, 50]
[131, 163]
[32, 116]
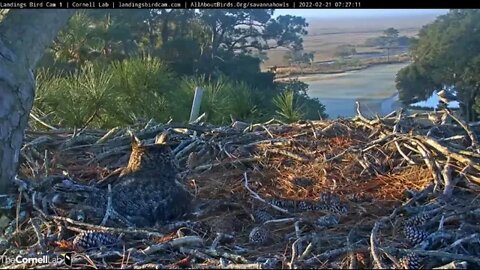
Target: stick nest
[387, 192]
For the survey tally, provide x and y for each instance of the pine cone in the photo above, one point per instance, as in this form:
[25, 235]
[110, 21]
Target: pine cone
[306, 206]
[327, 221]
[333, 208]
[419, 220]
[92, 239]
[338, 209]
[414, 235]
[288, 204]
[262, 216]
[259, 235]
[329, 198]
[359, 197]
[410, 261]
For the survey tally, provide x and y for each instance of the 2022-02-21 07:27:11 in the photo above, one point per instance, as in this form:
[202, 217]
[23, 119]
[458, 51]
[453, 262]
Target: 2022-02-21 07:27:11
[328, 4]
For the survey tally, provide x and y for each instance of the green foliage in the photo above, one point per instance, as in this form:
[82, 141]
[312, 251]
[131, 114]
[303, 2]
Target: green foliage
[391, 33]
[288, 107]
[410, 79]
[405, 41]
[222, 98]
[141, 86]
[298, 57]
[445, 55]
[298, 87]
[117, 67]
[122, 93]
[390, 38]
[182, 55]
[345, 51]
[312, 109]
[75, 99]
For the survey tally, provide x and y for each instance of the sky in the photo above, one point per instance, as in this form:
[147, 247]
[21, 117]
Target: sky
[342, 13]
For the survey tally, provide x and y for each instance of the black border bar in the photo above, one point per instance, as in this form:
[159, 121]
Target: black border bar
[296, 4]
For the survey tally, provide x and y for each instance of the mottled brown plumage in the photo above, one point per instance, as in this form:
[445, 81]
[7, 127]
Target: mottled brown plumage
[146, 191]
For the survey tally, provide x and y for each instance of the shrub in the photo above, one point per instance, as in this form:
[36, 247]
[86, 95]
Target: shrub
[105, 96]
[75, 99]
[288, 107]
[222, 98]
[141, 86]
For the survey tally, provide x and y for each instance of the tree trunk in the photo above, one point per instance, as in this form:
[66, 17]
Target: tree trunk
[164, 30]
[24, 36]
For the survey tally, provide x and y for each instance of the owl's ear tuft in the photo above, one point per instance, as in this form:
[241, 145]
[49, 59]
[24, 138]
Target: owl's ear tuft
[135, 141]
[161, 138]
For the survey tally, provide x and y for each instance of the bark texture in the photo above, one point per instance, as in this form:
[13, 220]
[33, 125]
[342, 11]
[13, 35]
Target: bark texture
[24, 36]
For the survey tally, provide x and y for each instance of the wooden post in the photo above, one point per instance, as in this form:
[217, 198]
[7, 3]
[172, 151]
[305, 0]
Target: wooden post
[197, 101]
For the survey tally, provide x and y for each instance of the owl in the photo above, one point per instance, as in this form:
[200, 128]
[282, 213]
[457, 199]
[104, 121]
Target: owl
[146, 192]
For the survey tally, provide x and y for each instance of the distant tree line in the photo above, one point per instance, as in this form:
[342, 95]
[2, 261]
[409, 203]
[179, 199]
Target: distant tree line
[390, 38]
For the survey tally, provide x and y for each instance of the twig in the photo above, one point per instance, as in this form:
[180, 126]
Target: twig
[107, 229]
[378, 264]
[334, 253]
[223, 163]
[440, 224]
[230, 256]
[467, 128]
[306, 252]
[436, 253]
[433, 238]
[189, 147]
[259, 125]
[257, 197]
[447, 178]
[288, 154]
[196, 253]
[107, 135]
[453, 265]
[431, 165]
[280, 220]
[403, 154]
[474, 236]
[314, 131]
[17, 211]
[42, 122]
[353, 259]
[245, 266]
[175, 243]
[109, 209]
[38, 232]
[293, 258]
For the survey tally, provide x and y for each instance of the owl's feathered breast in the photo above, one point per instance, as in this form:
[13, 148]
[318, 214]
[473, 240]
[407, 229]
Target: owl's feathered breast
[147, 186]
[146, 191]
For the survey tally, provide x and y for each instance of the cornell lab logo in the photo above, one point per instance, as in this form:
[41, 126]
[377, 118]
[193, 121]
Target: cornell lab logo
[67, 257]
[40, 259]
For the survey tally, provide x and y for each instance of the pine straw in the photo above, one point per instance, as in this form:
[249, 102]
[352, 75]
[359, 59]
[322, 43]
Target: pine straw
[300, 162]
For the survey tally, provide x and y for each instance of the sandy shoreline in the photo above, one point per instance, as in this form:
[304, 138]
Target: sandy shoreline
[333, 74]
